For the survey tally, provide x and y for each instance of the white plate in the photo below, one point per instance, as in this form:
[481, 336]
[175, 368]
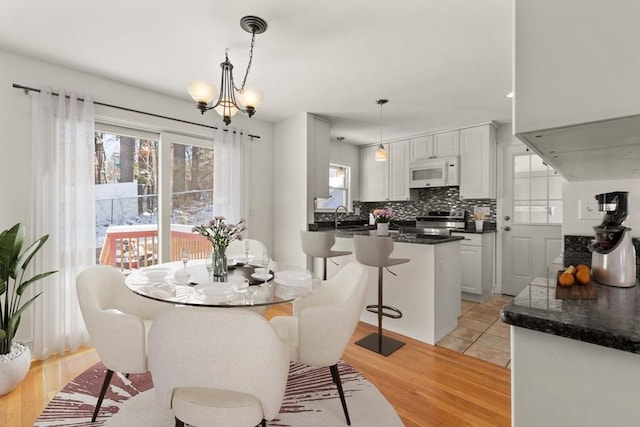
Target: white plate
[238, 282]
[156, 274]
[293, 278]
[261, 277]
[215, 292]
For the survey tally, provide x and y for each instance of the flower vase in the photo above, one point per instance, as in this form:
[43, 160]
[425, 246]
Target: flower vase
[219, 265]
[383, 228]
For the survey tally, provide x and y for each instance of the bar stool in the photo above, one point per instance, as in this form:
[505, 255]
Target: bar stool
[374, 251]
[318, 244]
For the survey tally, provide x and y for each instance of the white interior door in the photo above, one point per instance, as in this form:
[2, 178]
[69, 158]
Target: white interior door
[530, 232]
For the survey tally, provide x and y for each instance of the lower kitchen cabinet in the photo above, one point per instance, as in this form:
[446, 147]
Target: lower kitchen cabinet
[476, 263]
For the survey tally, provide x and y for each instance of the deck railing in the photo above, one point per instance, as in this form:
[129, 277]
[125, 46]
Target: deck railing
[129, 247]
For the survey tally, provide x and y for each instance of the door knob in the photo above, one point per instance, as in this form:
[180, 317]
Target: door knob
[506, 228]
[507, 217]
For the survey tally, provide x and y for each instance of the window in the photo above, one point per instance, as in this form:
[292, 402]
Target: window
[537, 191]
[338, 189]
[128, 177]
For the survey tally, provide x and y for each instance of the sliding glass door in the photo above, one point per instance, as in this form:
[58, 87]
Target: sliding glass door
[151, 189]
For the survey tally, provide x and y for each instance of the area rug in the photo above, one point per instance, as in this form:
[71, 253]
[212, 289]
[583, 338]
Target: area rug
[311, 400]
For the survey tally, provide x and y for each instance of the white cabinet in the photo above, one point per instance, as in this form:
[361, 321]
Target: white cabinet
[374, 176]
[445, 144]
[476, 264]
[421, 148]
[318, 158]
[382, 181]
[478, 162]
[398, 170]
[575, 62]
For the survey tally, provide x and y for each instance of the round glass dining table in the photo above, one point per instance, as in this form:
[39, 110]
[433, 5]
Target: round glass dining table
[243, 288]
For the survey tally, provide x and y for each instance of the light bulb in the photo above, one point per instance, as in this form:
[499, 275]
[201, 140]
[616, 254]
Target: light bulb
[340, 172]
[250, 97]
[381, 154]
[202, 92]
[226, 108]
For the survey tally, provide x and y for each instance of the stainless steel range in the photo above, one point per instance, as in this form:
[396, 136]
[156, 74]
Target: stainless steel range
[440, 222]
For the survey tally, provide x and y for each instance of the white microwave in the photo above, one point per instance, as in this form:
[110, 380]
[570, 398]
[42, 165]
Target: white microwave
[438, 172]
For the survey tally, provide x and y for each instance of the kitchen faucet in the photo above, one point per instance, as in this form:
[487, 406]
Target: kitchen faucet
[335, 215]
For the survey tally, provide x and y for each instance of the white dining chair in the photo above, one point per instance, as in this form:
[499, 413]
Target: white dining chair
[117, 321]
[323, 323]
[218, 367]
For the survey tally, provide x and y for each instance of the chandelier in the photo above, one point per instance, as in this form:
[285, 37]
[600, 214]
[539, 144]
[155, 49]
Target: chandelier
[227, 104]
[381, 153]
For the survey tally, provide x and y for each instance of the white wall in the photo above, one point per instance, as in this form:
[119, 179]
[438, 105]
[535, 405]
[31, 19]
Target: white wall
[575, 61]
[290, 189]
[15, 132]
[573, 192]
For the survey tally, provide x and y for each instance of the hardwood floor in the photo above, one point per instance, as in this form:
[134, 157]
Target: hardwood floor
[427, 385]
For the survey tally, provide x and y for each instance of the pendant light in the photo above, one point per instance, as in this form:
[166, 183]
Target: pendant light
[231, 98]
[381, 153]
[340, 173]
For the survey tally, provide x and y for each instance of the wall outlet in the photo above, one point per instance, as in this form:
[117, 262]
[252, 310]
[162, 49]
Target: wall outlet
[588, 209]
[357, 210]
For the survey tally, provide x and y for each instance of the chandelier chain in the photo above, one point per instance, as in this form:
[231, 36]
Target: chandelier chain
[246, 74]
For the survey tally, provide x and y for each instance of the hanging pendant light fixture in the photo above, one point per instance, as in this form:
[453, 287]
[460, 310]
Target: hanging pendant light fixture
[340, 173]
[227, 105]
[381, 153]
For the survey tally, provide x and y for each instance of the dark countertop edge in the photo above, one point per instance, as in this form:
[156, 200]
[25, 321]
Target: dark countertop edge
[510, 315]
[469, 231]
[397, 238]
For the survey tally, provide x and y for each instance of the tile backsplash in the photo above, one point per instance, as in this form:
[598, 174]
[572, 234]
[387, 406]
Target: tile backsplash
[429, 199]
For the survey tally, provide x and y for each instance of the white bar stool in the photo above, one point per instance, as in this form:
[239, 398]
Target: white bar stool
[318, 244]
[374, 251]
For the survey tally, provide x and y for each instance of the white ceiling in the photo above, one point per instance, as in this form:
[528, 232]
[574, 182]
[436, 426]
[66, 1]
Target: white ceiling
[442, 63]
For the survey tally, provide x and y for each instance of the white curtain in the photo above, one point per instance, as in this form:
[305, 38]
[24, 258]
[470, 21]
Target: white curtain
[63, 207]
[229, 188]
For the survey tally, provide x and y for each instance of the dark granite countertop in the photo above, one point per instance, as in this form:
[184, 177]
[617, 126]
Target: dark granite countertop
[395, 236]
[612, 320]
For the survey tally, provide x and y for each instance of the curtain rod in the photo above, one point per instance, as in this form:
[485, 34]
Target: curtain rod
[31, 89]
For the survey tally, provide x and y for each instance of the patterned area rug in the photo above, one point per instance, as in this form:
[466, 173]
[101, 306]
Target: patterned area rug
[311, 399]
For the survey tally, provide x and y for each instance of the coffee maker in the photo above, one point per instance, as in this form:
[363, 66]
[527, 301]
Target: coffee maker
[613, 257]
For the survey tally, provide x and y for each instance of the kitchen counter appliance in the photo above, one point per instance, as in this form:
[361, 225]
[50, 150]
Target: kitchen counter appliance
[613, 257]
[440, 223]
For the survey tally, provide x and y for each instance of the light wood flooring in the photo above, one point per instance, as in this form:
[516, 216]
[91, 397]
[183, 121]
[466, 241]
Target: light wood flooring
[427, 385]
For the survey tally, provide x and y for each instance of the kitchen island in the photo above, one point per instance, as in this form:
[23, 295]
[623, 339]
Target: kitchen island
[426, 289]
[574, 362]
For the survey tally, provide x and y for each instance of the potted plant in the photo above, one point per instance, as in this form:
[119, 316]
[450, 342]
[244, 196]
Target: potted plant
[383, 218]
[15, 357]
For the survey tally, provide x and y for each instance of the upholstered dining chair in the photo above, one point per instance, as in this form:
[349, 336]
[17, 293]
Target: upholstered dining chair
[117, 321]
[231, 372]
[318, 244]
[322, 323]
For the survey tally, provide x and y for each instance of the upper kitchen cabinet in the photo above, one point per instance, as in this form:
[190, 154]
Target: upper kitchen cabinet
[427, 147]
[478, 162]
[398, 170]
[318, 157]
[374, 175]
[385, 181]
[577, 86]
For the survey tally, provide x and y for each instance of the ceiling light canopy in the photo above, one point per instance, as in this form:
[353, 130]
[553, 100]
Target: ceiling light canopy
[381, 152]
[231, 98]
